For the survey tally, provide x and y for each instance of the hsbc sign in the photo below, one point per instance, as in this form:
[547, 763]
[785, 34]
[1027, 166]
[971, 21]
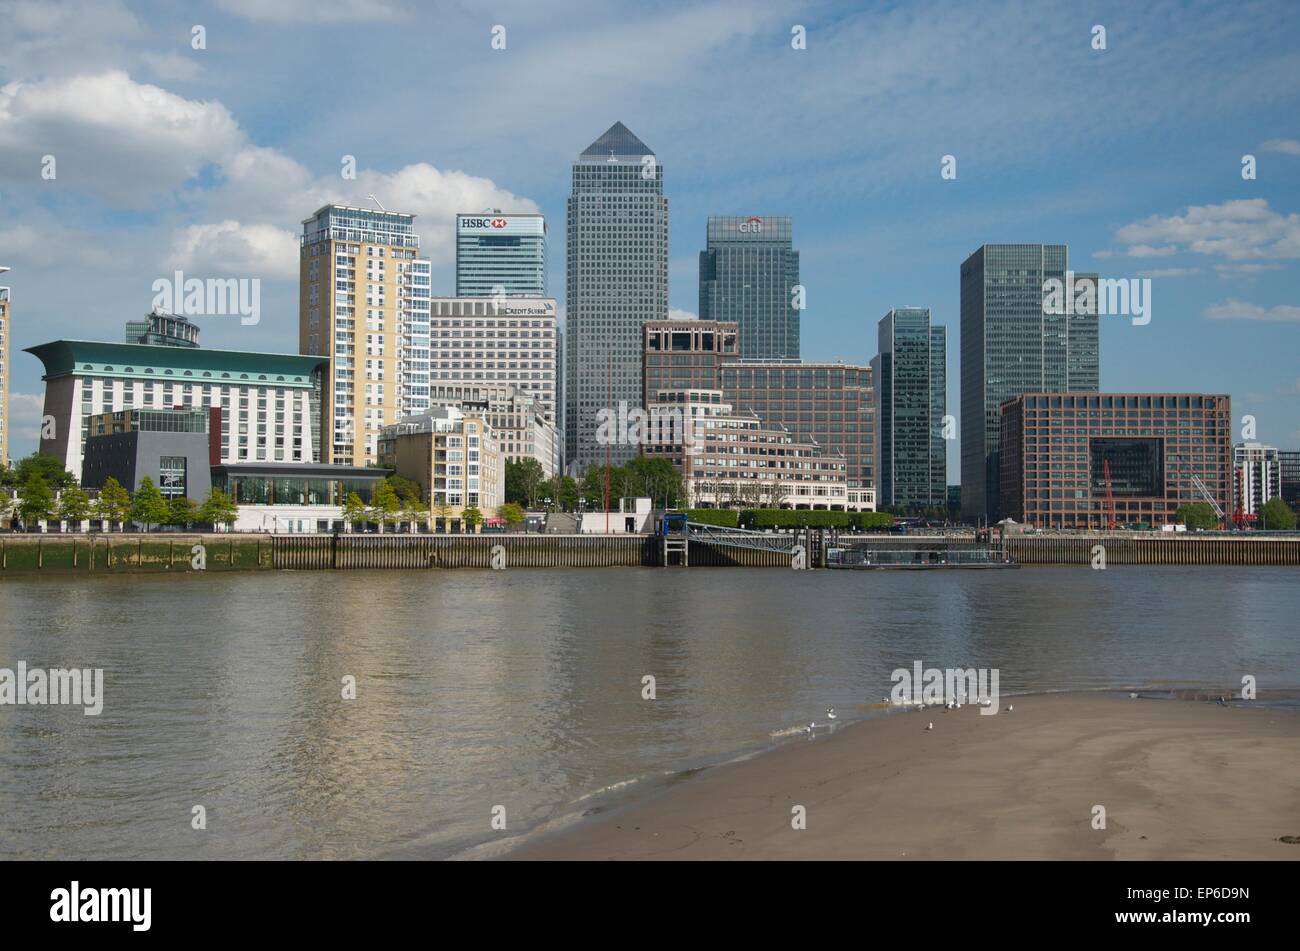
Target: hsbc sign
[501, 224]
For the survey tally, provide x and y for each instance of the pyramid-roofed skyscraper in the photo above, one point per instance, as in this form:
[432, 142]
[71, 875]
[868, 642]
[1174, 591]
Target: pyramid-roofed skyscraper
[617, 279]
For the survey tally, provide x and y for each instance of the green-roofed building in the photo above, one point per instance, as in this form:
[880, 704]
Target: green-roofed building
[268, 403]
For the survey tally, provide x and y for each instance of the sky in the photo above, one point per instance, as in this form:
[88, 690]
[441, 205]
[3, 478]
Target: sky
[170, 153]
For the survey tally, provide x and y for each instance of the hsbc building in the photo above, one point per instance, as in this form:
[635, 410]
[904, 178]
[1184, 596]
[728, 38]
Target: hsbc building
[500, 254]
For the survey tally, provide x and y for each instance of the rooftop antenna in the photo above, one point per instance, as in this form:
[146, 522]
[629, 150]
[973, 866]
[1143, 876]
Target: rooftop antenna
[376, 201]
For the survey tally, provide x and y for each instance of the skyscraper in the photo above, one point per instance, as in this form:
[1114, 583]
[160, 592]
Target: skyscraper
[4, 373]
[498, 253]
[748, 274]
[363, 301]
[1011, 345]
[910, 376]
[617, 279]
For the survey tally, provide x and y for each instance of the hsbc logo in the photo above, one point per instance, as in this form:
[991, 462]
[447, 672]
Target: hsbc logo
[470, 224]
[752, 225]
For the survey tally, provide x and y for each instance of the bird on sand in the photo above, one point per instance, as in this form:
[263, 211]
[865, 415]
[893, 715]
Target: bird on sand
[830, 713]
[1011, 708]
[931, 726]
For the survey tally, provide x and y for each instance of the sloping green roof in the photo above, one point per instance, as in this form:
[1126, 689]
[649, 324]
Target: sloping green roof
[142, 361]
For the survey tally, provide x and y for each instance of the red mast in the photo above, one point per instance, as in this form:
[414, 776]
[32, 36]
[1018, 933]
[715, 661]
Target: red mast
[1110, 495]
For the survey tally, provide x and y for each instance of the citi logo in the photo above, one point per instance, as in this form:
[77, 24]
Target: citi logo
[752, 225]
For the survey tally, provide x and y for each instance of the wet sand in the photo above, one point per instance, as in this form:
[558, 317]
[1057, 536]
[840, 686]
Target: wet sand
[1178, 779]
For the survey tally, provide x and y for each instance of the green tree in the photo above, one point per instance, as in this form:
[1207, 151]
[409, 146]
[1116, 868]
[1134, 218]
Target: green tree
[149, 507]
[406, 489]
[1196, 515]
[354, 510]
[385, 503]
[182, 511]
[48, 468]
[443, 511]
[1275, 515]
[415, 511]
[74, 507]
[512, 512]
[472, 517]
[218, 509]
[113, 504]
[35, 500]
[524, 481]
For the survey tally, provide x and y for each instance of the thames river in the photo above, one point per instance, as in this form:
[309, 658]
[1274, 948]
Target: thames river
[523, 689]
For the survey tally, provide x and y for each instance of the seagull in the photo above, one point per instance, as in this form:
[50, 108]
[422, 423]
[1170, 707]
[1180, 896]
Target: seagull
[1011, 708]
[830, 713]
[985, 702]
[959, 706]
[931, 726]
[1222, 702]
[1132, 696]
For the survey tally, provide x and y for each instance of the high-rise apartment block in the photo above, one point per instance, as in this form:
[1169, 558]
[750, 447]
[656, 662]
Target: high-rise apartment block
[1259, 475]
[452, 456]
[1012, 343]
[363, 302]
[617, 279]
[910, 377]
[500, 255]
[749, 274]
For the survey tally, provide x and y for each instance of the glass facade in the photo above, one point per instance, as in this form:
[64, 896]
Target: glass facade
[266, 488]
[1010, 346]
[616, 279]
[499, 253]
[910, 381]
[748, 273]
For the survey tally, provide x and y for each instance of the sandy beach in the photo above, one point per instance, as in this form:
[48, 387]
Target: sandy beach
[1177, 779]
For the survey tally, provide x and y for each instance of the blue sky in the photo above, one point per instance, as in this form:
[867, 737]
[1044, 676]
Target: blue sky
[208, 159]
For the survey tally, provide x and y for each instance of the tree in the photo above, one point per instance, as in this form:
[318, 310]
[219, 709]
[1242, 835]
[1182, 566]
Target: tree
[564, 493]
[406, 489]
[472, 517]
[149, 507]
[414, 511]
[385, 503]
[1196, 515]
[35, 500]
[354, 510]
[512, 512]
[444, 512]
[74, 507]
[113, 504]
[48, 468]
[1275, 515]
[218, 509]
[524, 480]
[182, 511]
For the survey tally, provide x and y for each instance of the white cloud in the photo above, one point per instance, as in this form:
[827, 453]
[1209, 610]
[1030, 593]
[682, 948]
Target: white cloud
[1234, 309]
[110, 135]
[230, 248]
[1146, 251]
[25, 412]
[1236, 230]
[1170, 272]
[1287, 146]
[676, 313]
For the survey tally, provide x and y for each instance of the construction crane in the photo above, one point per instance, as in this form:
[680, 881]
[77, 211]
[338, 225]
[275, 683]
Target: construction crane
[1109, 511]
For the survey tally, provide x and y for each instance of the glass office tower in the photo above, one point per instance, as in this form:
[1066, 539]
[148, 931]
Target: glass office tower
[497, 253]
[748, 274]
[1010, 346]
[617, 279]
[910, 374]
